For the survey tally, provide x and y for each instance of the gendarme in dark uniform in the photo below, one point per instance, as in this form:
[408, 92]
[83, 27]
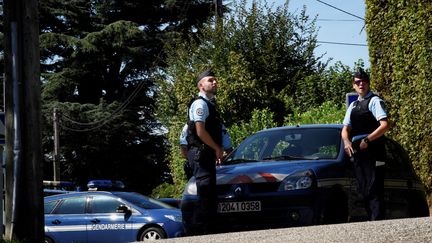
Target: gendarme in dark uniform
[367, 115]
[205, 152]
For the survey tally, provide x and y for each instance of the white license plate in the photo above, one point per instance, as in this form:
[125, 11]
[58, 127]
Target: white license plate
[248, 206]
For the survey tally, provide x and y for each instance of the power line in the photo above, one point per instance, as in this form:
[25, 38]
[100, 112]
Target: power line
[85, 129]
[340, 20]
[111, 116]
[341, 43]
[340, 10]
[99, 123]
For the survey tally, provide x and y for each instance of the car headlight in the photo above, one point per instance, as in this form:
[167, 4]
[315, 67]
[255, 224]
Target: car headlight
[190, 188]
[176, 218]
[298, 180]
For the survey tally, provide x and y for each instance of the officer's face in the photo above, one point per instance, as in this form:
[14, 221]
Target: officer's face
[208, 84]
[361, 86]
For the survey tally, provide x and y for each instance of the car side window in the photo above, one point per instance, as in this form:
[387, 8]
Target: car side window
[49, 206]
[75, 205]
[397, 160]
[104, 204]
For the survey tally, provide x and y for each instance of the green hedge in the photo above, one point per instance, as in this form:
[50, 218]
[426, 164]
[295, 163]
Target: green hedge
[400, 50]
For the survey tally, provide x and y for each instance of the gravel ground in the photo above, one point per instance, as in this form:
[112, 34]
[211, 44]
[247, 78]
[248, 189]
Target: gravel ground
[400, 230]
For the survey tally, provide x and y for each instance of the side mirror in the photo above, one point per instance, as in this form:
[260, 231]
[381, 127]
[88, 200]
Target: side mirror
[356, 140]
[122, 209]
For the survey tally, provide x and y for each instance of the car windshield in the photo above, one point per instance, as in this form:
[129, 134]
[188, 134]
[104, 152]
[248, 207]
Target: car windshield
[287, 144]
[142, 201]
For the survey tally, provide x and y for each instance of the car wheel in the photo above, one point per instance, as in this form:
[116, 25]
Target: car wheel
[152, 233]
[418, 207]
[336, 210]
[48, 240]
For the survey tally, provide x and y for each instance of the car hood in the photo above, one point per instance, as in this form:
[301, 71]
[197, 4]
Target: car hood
[257, 172]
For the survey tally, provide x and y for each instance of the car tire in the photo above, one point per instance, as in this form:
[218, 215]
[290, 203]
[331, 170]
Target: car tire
[336, 209]
[418, 207]
[152, 233]
[48, 240]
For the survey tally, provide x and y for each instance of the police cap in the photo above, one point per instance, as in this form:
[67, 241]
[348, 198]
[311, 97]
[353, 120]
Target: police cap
[204, 74]
[361, 74]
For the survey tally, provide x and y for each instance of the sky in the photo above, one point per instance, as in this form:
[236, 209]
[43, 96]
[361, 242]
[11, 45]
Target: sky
[336, 26]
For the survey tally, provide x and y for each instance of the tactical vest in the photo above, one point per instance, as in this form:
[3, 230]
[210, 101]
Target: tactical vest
[362, 119]
[213, 126]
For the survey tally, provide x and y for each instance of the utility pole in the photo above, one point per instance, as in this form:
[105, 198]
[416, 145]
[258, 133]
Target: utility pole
[23, 179]
[218, 14]
[56, 164]
[218, 8]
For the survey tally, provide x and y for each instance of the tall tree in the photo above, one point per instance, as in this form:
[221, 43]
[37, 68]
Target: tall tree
[98, 61]
[261, 52]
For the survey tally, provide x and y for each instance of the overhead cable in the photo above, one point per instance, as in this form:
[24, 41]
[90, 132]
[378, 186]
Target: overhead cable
[341, 43]
[339, 20]
[340, 10]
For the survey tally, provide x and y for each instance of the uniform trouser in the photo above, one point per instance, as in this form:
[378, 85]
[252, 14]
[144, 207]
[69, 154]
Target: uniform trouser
[204, 171]
[370, 179]
[187, 170]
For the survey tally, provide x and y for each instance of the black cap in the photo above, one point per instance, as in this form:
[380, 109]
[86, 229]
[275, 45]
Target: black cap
[361, 74]
[206, 73]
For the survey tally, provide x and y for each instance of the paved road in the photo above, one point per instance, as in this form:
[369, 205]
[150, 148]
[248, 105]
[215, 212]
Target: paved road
[401, 230]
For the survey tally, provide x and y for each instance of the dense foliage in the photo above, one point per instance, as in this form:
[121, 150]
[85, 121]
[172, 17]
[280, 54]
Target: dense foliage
[258, 58]
[400, 41]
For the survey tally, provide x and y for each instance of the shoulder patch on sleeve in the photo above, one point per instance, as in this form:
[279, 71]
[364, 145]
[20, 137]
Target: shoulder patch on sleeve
[199, 111]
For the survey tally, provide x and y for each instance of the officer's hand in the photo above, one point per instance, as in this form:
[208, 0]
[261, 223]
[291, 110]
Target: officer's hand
[363, 145]
[219, 155]
[348, 149]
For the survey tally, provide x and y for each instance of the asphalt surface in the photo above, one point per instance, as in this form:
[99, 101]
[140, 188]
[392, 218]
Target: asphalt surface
[400, 230]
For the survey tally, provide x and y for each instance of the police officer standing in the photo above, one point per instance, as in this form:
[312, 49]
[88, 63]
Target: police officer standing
[205, 151]
[367, 115]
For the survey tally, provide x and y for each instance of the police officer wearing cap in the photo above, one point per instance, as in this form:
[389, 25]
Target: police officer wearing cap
[205, 151]
[367, 115]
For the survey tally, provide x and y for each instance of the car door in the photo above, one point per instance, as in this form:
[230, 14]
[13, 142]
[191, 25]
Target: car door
[105, 224]
[400, 182]
[67, 222]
